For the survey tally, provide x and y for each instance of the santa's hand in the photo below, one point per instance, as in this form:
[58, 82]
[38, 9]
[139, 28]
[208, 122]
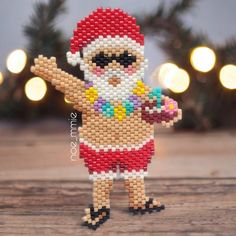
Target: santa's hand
[44, 67]
[165, 113]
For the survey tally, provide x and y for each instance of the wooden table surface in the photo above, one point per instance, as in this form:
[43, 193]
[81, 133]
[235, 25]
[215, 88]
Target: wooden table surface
[194, 206]
[42, 192]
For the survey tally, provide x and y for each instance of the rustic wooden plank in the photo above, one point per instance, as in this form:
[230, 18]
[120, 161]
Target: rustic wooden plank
[193, 207]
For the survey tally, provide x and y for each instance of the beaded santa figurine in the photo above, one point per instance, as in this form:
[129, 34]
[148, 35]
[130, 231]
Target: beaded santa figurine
[118, 109]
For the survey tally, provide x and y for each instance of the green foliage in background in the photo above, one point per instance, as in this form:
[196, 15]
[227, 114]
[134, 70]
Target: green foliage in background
[44, 37]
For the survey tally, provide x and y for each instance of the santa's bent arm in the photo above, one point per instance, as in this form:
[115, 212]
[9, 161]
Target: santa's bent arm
[72, 87]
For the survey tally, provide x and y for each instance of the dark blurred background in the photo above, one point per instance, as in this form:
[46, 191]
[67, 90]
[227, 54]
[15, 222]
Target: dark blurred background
[191, 47]
[203, 84]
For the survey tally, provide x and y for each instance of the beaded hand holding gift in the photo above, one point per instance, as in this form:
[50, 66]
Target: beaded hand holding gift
[118, 109]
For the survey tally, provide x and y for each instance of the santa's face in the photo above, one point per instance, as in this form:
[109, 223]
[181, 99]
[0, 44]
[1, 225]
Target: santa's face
[113, 67]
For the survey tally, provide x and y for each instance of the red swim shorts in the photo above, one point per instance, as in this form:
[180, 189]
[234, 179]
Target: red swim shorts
[99, 161]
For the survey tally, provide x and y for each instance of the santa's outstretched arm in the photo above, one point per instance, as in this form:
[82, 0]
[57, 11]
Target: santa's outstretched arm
[72, 87]
[161, 109]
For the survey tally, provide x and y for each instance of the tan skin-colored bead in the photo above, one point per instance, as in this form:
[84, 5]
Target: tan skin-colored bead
[136, 190]
[105, 50]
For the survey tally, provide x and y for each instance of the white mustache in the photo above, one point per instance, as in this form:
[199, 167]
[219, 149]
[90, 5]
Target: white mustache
[120, 92]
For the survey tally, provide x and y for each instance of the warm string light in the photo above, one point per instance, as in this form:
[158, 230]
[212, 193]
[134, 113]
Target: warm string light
[172, 77]
[168, 75]
[35, 89]
[228, 76]
[66, 100]
[16, 61]
[179, 82]
[166, 72]
[203, 59]
[1, 78]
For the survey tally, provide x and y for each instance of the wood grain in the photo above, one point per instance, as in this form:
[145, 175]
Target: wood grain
[193, 207]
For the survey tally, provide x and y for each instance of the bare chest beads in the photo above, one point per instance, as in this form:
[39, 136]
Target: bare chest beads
[118, 109]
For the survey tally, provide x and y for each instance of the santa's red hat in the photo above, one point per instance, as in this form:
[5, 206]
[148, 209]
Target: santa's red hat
[100, 25]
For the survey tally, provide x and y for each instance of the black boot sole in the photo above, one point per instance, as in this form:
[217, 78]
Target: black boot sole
[98, 224]
[146, 210]
[94, 215]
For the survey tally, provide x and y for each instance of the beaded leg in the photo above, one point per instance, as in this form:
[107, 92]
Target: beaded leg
[138, 201]
[99, 211]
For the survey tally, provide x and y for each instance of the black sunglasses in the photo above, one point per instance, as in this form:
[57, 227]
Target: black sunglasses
[124, 59]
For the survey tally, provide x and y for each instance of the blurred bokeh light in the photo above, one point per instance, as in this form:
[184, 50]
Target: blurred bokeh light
[203, 59]
[35, 89]
[170, 76]
[1, 78]
[16, 61]
[166, 72]
[66, 100]
[228, 76]
[179, 81]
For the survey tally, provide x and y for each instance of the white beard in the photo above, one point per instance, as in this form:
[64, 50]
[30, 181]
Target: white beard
[109, 92]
